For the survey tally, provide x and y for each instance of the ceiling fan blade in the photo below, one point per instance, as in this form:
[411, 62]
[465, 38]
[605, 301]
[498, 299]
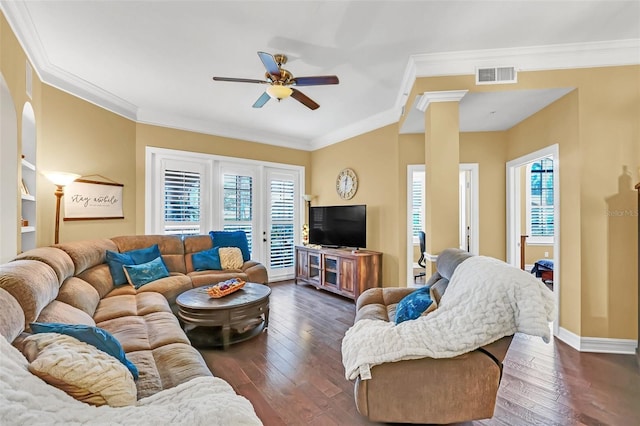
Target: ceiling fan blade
[262, 100]
[239, 80]
[304, 99]
[316, 80]
[270, 64]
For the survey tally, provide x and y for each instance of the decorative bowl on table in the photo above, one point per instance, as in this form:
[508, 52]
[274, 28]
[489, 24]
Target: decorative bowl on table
[225, 288]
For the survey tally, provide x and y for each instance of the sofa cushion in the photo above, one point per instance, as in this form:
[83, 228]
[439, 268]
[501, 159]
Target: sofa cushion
[94, 336]
[61, 312]
[206, 260]
[11, 316]
[414, 305]
[230, 257]
[32, 283]
[167, 366]
[144, 273]
[80, 294]
[79, 369]
[127, 305]
[232, 239]
[87, 253]
[171, 248]
[58, 259]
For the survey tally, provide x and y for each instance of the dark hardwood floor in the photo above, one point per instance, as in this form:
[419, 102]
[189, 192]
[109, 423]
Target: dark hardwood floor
[293, 372]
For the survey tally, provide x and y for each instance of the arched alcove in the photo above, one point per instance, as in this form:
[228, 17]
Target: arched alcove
[9, 188]
[29, 178]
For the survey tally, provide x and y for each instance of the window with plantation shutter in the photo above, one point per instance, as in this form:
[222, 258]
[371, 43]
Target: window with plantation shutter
[182, 202]
[282, 208]
[540, 208]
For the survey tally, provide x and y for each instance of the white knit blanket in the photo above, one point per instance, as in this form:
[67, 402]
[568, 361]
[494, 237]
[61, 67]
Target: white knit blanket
[27, 400]
[486, 300]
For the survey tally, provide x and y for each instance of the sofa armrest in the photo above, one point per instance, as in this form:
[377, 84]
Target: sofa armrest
[382, 296]
[256, 272]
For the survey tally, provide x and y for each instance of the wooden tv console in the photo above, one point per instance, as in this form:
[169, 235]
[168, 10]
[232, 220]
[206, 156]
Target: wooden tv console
[342, 271]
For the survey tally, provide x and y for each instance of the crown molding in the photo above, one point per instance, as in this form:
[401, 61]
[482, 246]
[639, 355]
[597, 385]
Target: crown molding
[152, 117]
[427, 98]
[369, 124]
[21, 24]
[535, 58]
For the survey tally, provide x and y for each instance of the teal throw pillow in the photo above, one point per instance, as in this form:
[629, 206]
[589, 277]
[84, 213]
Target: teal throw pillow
[139, 275]
[206, 260]
[232, 239]
[413, 305]
[116, 261]
[93, 336]
[144, 255]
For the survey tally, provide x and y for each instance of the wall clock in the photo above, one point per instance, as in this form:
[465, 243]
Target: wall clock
[347, 184]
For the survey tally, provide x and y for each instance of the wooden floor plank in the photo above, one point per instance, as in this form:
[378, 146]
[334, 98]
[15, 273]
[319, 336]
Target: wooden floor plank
[293, 373]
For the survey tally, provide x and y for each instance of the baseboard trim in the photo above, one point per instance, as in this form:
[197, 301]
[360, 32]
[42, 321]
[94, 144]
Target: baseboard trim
[598, 344]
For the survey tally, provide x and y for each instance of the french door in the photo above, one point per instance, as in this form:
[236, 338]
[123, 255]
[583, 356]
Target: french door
[190, 194]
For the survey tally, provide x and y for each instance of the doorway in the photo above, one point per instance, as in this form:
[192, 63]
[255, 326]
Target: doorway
[416, 201]
[533, 216]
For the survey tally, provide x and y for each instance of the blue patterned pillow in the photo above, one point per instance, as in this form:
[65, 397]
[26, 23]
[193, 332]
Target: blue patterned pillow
[206, 260]
[232, 239]
[413, 305]
[116, 261]
[139, 275]
[93, 336]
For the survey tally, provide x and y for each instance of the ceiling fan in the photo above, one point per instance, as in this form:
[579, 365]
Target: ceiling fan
[280, 81]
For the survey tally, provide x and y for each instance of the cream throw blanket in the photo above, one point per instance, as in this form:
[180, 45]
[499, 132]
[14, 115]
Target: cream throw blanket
[486, 300]
[27, 400]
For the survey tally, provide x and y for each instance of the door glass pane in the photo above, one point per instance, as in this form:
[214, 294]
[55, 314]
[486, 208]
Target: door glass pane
[238, 204]
[282, 207]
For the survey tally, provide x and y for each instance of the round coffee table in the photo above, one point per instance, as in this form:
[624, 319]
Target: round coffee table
[246, 311]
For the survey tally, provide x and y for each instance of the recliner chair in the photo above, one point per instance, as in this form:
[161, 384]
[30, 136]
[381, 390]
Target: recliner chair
[429, 390]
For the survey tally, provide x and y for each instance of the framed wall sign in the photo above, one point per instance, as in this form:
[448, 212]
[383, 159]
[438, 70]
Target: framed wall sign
[90, 200]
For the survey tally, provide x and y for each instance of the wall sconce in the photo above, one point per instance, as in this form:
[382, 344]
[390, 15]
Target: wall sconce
[60, 180]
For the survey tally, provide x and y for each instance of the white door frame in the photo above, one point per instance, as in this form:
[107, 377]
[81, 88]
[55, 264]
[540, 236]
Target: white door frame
[513, 216]
[474, 233]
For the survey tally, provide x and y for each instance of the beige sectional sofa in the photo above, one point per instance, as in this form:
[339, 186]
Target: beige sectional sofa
[71, 283]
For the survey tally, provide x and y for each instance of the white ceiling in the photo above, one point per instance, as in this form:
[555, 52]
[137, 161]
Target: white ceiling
[153, 61]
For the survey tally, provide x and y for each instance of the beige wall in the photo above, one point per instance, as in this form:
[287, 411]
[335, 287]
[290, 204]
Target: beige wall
[373, 156]
[82, 138]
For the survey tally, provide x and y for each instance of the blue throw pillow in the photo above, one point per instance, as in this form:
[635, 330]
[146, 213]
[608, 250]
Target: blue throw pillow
[116, 261]
[139, 275]
[413, 305]
[94, 336]
[144, 255]
[206, 260]
[232, 239]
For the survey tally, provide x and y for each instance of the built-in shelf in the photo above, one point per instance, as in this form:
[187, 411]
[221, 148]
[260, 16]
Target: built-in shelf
[28, 197]
[27, 229]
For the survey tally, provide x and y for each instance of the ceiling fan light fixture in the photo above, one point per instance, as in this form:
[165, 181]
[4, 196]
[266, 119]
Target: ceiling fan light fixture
[279, 92]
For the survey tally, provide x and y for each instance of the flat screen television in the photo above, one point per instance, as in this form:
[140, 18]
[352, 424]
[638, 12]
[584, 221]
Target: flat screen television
[338, 226]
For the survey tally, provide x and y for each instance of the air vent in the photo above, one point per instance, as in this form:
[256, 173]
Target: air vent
[496, 75]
